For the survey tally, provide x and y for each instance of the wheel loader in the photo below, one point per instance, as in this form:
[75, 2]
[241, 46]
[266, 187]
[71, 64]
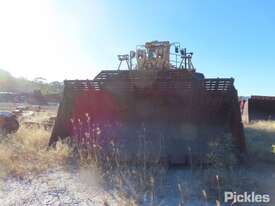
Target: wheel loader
[157, 109]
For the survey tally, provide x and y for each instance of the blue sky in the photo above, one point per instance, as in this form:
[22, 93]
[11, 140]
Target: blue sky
[76, 39]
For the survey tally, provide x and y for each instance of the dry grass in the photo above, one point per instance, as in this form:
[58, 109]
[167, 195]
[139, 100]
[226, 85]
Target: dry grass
[260, 137]
[26, 152]
[268, 126]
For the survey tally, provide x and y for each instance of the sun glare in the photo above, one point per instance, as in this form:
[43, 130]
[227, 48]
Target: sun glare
[36, 41]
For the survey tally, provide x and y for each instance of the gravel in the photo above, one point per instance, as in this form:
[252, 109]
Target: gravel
[58, 187]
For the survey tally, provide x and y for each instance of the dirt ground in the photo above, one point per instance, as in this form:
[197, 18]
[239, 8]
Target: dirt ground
[32, 175]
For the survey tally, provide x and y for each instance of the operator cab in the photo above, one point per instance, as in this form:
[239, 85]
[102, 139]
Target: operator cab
[158, 55]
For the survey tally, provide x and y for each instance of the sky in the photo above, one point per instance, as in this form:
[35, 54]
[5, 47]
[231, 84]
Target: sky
[76, 39]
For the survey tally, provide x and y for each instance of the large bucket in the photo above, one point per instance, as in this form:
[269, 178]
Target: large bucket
[150, 115]
[261, 108]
